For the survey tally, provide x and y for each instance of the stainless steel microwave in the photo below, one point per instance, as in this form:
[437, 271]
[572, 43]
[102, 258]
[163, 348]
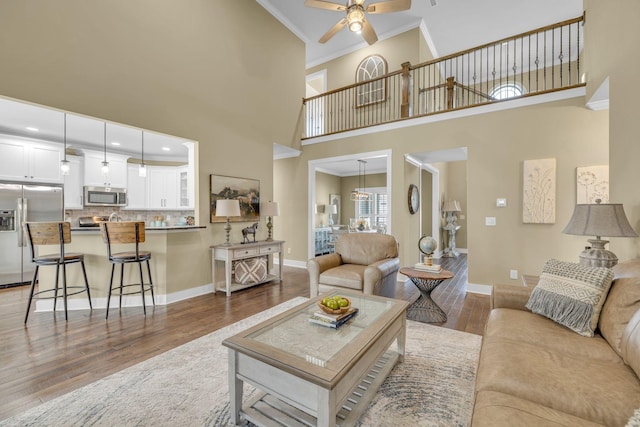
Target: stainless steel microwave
[105, 196]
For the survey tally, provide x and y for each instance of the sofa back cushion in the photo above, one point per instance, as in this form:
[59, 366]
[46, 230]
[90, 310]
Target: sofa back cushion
[622, 302]
[366, 248]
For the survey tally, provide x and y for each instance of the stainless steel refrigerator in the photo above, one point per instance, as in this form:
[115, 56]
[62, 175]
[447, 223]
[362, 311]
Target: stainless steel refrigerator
[20, 203]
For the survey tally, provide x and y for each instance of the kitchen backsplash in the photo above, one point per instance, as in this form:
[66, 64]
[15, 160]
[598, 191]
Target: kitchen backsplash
[169, 217]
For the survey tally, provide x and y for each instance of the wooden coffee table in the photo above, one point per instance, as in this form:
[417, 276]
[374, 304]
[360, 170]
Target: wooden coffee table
[309, 374]
[424, 309]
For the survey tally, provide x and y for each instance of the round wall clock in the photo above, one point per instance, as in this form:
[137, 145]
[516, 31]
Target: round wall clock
[414, 199]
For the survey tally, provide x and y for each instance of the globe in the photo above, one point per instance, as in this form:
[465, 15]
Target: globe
[427, 245]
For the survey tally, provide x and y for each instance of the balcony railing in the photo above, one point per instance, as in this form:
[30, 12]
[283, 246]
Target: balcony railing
[540, 61]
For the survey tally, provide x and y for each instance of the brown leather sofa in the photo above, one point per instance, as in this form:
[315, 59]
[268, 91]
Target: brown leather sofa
[362, 261]
[535, 372]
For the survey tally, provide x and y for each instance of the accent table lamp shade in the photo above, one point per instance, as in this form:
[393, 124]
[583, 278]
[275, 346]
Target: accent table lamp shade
[451, 206]
[599, 220]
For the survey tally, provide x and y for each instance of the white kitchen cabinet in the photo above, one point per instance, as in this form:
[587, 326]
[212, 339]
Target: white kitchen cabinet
[22, 160]
[117, 176]
[185, 187]
[162, 187]
[73, 183]
[137, 195]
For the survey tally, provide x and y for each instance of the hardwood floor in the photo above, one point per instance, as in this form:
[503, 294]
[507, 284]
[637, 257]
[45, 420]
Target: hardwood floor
[49, 357]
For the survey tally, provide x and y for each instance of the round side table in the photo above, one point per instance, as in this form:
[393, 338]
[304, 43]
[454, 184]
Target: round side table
[425, 309]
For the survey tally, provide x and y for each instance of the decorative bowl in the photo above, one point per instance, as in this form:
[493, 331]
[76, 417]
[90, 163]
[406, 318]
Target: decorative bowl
[337, 311]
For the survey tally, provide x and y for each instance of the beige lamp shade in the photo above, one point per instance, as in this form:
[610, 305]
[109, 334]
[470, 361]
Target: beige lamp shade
[333, 209]
[269, 209]
[227, 207]
[451, 206]
[598, 220]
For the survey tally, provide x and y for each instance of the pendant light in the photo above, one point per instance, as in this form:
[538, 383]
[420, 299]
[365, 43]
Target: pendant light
[105, 164]
[142, 171]
[64, 163]
[359, 194]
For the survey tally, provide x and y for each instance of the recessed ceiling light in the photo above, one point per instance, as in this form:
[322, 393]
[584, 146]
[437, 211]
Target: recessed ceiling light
[166, 149]
[115, 143]
[31, 128]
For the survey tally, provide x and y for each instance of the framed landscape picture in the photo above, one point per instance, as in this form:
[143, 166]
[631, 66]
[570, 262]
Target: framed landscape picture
[245, 190]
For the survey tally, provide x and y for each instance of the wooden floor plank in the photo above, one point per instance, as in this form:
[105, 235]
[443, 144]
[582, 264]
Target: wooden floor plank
[49, 357]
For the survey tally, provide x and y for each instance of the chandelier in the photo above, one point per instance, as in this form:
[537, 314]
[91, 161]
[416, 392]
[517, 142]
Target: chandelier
[359, 194]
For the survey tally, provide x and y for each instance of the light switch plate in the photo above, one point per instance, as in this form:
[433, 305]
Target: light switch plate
[490, 221]
[501, 203]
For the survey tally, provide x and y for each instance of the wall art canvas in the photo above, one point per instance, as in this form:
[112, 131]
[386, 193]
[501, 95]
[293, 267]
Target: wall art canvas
[539, 191]
[245, 190]
[334, 199]
[592, 182]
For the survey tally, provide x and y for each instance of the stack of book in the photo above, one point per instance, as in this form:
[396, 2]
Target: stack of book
[332, 320]
[435, 268]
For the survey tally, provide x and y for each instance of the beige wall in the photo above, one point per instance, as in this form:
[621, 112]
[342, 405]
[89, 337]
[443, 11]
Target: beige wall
[611, 36]
[457, 190]
[396, 50]
[497, 143]
[206, 71]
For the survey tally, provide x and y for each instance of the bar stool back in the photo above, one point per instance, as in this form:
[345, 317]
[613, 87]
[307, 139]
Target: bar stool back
[127, 233]
[54, 233]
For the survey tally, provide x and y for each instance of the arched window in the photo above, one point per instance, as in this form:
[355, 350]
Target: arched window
[370, 68]
[505, 91]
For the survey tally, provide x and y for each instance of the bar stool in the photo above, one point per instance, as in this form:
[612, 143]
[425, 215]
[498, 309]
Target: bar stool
[127, 232]
[54, 233]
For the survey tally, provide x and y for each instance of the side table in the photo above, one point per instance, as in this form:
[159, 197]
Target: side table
[425, 309]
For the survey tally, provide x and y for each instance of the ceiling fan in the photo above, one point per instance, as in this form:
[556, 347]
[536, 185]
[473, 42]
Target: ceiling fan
[355, 19]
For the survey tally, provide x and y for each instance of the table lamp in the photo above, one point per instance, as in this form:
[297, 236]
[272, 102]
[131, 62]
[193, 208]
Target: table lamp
[227, 207]
[599, 219]
[333, 209]
[270, 209]
[450, 207]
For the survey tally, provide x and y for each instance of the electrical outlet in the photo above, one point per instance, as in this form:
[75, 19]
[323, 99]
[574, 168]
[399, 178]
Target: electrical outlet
[288, 250]
[490, 221]
[513, 274]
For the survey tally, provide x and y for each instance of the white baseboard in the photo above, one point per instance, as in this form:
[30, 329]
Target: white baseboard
[186, 294]
[294, 263]
[476, 288]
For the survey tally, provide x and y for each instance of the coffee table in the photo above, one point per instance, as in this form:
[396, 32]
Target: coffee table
[424, 309]
[309, 374]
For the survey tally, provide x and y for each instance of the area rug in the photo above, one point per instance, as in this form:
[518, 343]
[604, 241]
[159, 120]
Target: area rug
[187, 386]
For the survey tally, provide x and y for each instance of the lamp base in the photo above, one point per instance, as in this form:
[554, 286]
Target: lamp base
[269, 227]
[597, 255]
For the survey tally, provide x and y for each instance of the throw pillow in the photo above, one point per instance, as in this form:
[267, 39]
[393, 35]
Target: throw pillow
[571, 294]
[251, 271]
[634, 421]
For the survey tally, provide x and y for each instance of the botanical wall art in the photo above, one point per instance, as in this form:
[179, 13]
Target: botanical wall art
[592, 182]
[539, 191]
[246, 191]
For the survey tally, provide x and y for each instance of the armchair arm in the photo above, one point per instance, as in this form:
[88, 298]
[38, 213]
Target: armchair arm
[508, 296]
[378, 273]
[317, 265]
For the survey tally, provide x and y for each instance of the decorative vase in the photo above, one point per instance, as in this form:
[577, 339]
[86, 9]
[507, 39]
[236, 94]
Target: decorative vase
[361, 227]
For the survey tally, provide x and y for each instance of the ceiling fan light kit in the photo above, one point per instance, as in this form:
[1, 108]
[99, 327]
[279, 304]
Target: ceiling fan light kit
[356, 19]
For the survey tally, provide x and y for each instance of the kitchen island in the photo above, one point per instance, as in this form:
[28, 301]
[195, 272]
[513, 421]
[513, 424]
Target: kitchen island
[180, 266]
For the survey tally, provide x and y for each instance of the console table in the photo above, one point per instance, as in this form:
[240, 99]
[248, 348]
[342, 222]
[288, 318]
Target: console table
[235, 252]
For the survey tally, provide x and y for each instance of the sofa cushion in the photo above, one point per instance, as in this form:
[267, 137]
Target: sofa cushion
[366, 248]
[495, 409]
[346, 276]
[525, 327]
[571, 294]
[599, 391]
[621, 303]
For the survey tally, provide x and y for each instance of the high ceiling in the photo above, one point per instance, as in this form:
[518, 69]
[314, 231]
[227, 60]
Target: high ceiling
[448, 25]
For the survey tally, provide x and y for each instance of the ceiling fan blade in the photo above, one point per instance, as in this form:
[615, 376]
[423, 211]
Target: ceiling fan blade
[368, 32]
[389, 6]
[320, 4]
[333, 30]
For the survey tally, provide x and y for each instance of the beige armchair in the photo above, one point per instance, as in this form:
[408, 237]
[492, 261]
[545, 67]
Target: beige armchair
[362, 262]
